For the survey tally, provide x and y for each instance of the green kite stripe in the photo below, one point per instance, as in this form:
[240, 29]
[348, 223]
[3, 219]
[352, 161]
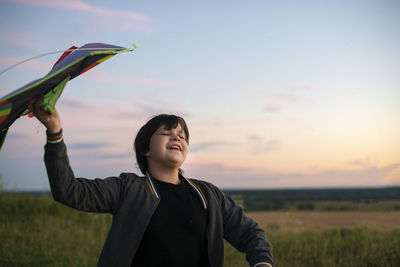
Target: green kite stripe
[5, 107]
[66, 67]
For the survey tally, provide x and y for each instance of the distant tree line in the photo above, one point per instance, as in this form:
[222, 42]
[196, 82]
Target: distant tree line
[353, 194]
[308, 199]
[332, 199]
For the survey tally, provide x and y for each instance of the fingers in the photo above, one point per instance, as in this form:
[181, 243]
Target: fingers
[31, 103]
[51, 122]
[37, 105]
[34, 106]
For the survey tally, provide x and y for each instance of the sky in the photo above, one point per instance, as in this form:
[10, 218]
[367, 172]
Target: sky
[276, 94]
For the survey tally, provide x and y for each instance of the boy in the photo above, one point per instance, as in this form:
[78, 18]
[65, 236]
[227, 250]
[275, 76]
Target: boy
[163, 218]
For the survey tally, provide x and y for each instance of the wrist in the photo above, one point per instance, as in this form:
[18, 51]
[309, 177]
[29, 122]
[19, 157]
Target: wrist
[54, 137]
[53, 130]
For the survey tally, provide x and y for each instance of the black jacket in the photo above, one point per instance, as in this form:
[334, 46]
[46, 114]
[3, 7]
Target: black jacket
[132, 200]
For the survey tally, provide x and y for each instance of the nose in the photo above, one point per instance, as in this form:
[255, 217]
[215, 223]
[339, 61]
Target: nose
[175, 137]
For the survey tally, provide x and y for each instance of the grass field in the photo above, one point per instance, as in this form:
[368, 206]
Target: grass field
[299, 221]
[308, 238]
[36, 231]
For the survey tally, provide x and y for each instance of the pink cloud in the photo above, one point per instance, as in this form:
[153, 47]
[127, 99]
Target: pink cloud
[362, 162]
[272, 109]
[146, 111]
[127, 19]
[345, 94]
[283, 97]
[33, 64]
[391, 173]
[2, 90]
[23, 39]
[303, 87]
[90, 128]
[96, 75]
[74, 104]
[129, 80]
[237, 177]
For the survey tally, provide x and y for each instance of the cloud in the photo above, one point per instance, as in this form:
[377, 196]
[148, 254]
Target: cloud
[128, 115]
[266, 146]
[33, 64]
[205, 145]
[73, 103]
[89, 145]
[272, 109]
[217, 174]
[391, 173]
[302, 87]
[345, 94]
[283, 97]
[259, 145]
[232, 177]
[129, 80]
[2, 90]
[139, 111]
[23, 39]
[365, 162]
[95, 75]
[125, 19]
[101, 156]
[16, 136]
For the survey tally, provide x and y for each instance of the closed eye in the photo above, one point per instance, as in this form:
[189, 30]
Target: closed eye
[165, 133]
[171, 134]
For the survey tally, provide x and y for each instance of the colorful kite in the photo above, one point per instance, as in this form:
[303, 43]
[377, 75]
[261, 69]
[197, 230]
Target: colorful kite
[71, 64]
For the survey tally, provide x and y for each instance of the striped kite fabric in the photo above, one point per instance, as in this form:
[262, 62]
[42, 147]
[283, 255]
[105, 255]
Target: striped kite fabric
[72, 63]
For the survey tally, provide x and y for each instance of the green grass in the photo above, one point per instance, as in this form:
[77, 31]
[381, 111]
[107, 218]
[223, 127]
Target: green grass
[339, 247]
[326, 205]
[36, 231]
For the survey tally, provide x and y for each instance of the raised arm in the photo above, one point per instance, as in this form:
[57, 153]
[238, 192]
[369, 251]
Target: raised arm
[98, 195]
[94, 195]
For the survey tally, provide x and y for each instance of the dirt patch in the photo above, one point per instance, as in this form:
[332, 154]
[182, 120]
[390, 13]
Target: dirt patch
[319, 220]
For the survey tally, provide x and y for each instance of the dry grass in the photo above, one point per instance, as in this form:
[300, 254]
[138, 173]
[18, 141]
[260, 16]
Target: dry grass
[36, 231]
[329, 239]
[298, 221]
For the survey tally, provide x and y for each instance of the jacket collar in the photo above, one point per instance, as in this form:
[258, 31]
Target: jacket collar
[196, 188]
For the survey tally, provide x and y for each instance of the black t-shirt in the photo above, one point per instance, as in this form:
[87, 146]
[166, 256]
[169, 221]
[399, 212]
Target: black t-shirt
[176, 233]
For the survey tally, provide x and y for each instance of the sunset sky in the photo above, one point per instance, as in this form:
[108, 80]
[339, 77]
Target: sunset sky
[276, 94]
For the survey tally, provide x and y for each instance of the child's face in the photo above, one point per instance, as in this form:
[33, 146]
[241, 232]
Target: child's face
[168, 148]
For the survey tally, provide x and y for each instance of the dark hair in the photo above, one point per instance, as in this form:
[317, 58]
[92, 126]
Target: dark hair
[142, 140]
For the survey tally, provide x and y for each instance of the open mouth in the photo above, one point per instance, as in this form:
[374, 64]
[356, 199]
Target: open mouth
[175, 147]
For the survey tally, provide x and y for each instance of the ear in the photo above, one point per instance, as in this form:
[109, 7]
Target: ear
[147, 154]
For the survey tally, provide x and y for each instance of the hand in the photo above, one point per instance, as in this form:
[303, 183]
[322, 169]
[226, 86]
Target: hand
[51, 122]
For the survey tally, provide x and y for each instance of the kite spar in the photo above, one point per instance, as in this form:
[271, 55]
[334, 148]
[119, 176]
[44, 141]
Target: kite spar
[72, 63]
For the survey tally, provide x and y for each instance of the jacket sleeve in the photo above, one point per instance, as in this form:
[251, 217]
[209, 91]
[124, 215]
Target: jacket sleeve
[94, 195]
[244, 233]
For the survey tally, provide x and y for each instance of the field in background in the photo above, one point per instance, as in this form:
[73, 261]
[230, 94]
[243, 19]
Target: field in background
[36, 231]
[299, 221]
[335, 199]
[344, 238]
